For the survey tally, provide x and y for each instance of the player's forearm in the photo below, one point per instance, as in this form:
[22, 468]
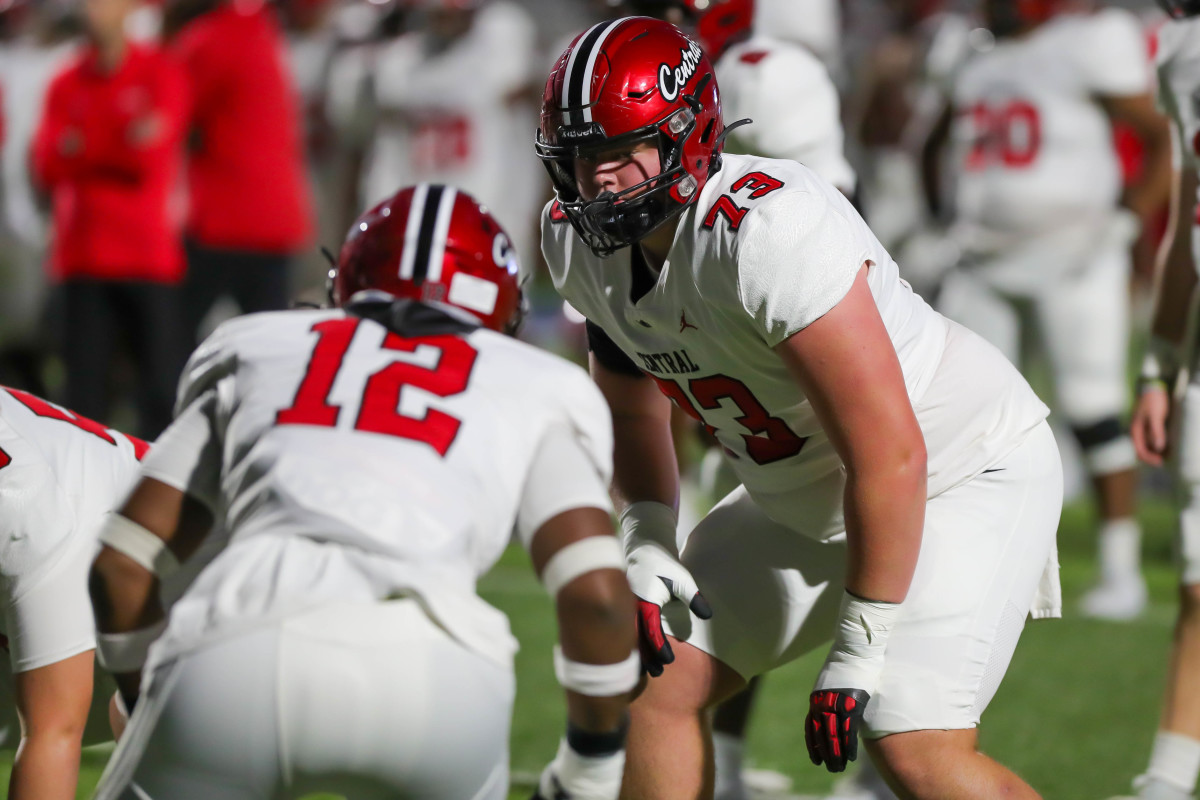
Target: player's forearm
[1147, 195]
[1177, 275]
[124, 594]
[594, 614]
[644, 466]
[46, 766]
[885, 515]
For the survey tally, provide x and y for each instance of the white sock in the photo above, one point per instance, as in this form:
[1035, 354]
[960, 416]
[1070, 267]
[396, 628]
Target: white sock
[1120, 546]
[1175, 760]
[728, 752]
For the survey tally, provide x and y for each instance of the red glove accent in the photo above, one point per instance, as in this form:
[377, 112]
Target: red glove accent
[831, 727]
[652, 642]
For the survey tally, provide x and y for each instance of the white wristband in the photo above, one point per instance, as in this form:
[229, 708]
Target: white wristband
[126, 536]
[578, 558]
[126, 652]
[597, 680]
[649, 521]
[855, 659]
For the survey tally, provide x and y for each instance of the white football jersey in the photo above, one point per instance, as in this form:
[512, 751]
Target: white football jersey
[765, 250]
[349, 463]
[59, 475]
[793, 104]
[1178, 58]
[452, 116]
[1033, 148]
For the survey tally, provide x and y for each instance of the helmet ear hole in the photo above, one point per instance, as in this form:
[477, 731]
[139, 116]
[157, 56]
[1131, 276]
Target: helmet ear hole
[706, 137]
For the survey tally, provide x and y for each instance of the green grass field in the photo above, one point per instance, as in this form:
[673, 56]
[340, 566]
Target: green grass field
[1075, 714]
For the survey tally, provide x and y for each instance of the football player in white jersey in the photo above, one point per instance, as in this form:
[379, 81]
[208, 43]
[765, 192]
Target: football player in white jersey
[369, 462]
[788, 93]
[1046, 231]
[59, 475]
[1175, 757]
[900, 486]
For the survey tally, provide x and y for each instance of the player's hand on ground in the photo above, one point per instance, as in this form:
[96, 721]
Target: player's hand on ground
[831, 727]
[657, 577]
[571, 776]
[1149, 427]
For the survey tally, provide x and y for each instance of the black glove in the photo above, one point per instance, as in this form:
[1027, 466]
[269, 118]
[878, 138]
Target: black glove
[831, 727]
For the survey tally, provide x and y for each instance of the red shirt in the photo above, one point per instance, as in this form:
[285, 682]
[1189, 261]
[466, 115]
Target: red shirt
[247, 179]
[109, 149]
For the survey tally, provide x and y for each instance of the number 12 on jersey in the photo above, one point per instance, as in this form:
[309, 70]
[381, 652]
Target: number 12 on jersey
[379, 410]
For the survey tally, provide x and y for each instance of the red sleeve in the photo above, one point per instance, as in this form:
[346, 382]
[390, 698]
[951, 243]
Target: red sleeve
[202, 74]
[118, 155]
[98, 156]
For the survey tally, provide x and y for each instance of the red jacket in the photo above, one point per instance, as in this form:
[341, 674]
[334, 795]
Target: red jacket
[247, 178]
[109, 150]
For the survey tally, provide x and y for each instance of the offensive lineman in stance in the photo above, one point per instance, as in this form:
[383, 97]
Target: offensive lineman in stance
[60, 474]
[369, 462]
[901, 488]
[1175, 756]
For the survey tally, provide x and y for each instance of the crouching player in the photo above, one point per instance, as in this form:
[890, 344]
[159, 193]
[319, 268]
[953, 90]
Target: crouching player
[369, 462]
[59, 475]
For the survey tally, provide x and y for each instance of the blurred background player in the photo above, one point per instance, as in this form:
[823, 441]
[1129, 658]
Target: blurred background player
[36, 40]
[60, 474]
[370, 462]
[453, 98]
[1168, 426]
[1046, 233]
[108, 151]
[896, 97]
[248, 198]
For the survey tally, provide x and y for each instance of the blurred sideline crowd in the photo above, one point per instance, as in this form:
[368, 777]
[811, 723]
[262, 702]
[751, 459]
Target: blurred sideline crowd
[167, 165]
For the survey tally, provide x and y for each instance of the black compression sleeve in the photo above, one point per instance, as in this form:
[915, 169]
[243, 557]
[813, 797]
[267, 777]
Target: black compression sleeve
[612, 357]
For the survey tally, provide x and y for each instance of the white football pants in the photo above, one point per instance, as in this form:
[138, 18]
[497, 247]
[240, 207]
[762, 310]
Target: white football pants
[367, 701]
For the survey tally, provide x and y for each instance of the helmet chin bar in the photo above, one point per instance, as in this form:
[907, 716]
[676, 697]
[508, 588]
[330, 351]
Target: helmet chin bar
[613, 221]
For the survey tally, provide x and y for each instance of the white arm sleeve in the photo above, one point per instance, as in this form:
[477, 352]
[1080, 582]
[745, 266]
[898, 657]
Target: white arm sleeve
[188, 454]
[799, 256]
[563, 476]
[1115, 58]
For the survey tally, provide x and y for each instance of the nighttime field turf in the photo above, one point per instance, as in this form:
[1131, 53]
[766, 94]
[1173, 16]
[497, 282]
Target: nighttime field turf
[1074, 716]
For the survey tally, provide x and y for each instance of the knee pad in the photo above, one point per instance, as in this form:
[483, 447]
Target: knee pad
[1106, 446]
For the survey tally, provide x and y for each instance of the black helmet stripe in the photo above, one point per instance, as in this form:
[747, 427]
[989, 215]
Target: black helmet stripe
[578, 84]
[421, 232]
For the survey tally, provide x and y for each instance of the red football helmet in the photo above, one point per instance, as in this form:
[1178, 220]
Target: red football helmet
[1011, 17]
[623, 82]
[434, 244]
[717, 23]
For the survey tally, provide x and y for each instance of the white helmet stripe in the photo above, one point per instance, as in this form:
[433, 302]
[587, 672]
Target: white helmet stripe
[591, 66]
[415, 212]
[577, 81]
[437, 253]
